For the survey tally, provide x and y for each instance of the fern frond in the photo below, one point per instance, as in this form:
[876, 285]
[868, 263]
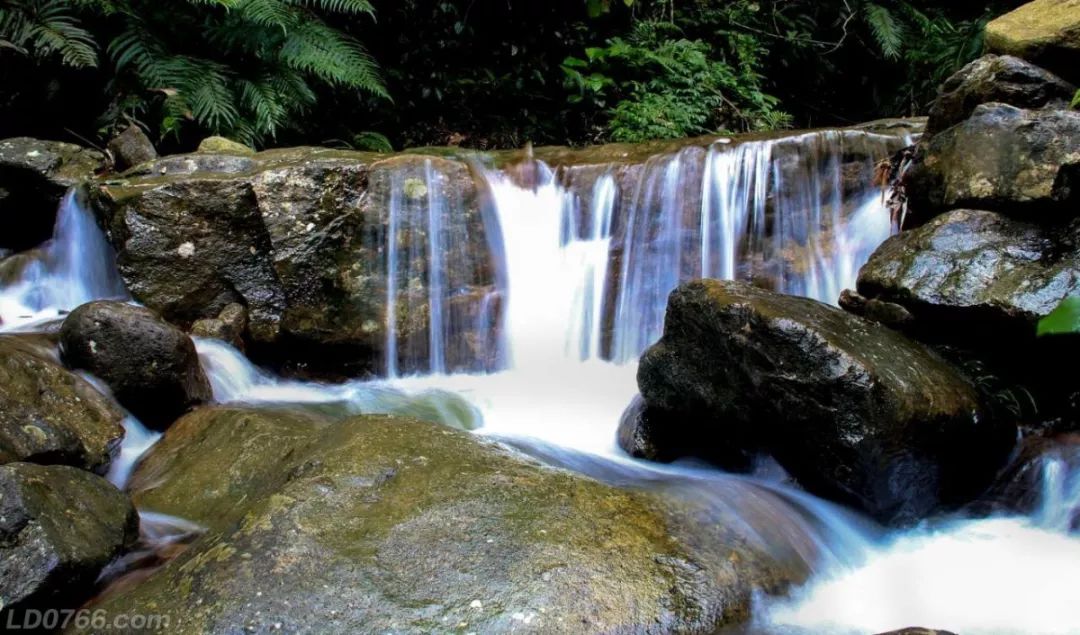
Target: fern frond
[312, 47]
[266, 103]
[56, 31]
[354, 7]
[213, 103]
[887, 31]
[273, 13]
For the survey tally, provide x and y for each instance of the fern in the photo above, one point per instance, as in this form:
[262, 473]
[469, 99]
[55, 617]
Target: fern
[46, 28]
[886, 29]
[1075, 100]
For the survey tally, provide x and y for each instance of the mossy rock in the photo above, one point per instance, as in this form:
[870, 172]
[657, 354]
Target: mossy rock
[1046, 32]
[50, 415]
[221, 145]
[380, 524]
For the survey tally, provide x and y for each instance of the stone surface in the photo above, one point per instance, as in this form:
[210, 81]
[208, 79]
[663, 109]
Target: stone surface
[130, 148]
[59, 527]
[1046, 32]
[1025, 163]
[221, 145]
[973, 274]
[49, 415]
[417, 527]
[34, 175]
[151, 366]
[853, 410]
[996, 78]
[229, 326]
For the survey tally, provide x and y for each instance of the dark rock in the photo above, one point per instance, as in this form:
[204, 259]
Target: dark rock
[229, 326]
[52, 416]
[1046, 32]
[852, 410]
[973, 276]
[993, 78]
[890, 314]
[34, 175]
[59, 527]
[654, 434]
[130, 148]
[1037, 482]
[151, 366]
[1025, 163]
[918, 631]
[415, 526]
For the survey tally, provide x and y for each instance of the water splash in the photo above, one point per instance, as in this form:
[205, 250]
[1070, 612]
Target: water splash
[76, 266]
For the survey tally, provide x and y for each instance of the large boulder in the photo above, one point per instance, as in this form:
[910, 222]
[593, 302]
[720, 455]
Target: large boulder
[853, 410]
[151, 366]
[34, 175]
[301, 238]
[59, 527]
[1046, 32]
[996, 78]
[416, 527]
[1022, 162]
[974, 276]
[50, 415]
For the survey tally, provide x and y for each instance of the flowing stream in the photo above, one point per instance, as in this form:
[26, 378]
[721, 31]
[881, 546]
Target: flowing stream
[583, 277]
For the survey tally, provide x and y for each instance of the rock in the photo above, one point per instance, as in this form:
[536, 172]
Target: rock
[299, 238]
[1036, 483]
[34, 175]
[996, 78]
[918, 631]
[59, 527]
[892, 315]
[229, 326]
[221, 145]
[415, 526]
[1046, 32]
[151, 366]
[852, 410]
[49, 415]
[1025, 163]
[974, 275]
[131, 147]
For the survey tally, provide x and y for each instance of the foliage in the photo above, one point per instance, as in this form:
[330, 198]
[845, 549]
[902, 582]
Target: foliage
[246, 79]
[1076, 100]
[1065, 319]
[662, 85]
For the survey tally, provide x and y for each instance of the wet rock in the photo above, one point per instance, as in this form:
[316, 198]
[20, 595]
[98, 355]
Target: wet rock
[34, 175]
[853, 410]
[52, 416]
[996, 78]
[415, 527]
[1046, 32]
[970, 276]
[1037, 483]
[150, 365]
[59, 527]
[130, 148]
[229, 326]
[892, 315]
[221, 145]
[655, 434]
[1025, 163]
[918, 631]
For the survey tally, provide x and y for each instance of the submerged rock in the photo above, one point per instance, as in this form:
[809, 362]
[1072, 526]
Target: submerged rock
[34, 175]
[131, 147]
[853, 410]
[416, 527]
[1025, 163]
[974, 276]
[996, 78]
[1046, 32]
[49, 415]
[151, 366]
[59, 527]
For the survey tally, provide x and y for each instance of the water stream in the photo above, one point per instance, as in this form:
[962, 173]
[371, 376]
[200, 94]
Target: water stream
[583, 278]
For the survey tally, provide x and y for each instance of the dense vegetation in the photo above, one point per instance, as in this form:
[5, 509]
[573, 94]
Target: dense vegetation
[484, 73]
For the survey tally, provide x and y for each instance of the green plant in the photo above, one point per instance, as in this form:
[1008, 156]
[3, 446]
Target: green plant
[252, 72]
[1075, 100]
[1063, 320]
[657, 84]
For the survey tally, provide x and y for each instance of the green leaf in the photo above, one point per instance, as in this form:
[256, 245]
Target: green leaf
[888, 32]
[1064, 319]
[1076, 100]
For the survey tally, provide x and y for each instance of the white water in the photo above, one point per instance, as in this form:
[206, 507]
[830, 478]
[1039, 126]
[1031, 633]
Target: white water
[747, 214]
[73, 268]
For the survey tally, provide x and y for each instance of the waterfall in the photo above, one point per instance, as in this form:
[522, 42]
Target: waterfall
[76, 266]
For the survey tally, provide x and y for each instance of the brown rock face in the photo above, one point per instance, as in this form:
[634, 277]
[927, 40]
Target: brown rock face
[1046, 32]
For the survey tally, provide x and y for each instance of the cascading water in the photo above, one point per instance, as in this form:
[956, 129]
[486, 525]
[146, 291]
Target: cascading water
[583, 274]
